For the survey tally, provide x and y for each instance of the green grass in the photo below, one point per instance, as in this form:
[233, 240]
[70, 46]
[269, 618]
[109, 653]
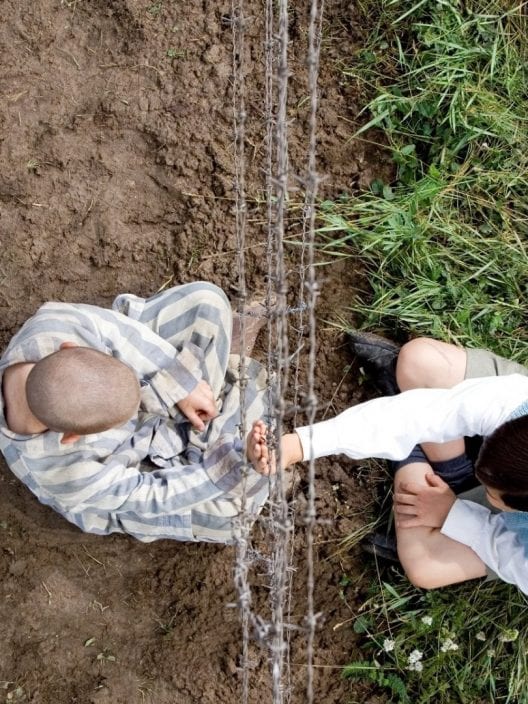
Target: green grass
[444, 247]
[470, 643]
[445, 243]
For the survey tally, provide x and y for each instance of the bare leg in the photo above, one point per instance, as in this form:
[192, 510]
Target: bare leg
[430, 559]
[425, 363]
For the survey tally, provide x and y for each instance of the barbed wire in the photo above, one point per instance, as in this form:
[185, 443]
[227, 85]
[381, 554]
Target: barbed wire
[311, 187]
[274, 633]
[243, 525]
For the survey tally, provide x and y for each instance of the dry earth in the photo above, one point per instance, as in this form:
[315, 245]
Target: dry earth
[116, 153]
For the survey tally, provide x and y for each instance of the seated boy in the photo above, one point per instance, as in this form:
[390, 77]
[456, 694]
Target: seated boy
[449, 393]
[128, 419]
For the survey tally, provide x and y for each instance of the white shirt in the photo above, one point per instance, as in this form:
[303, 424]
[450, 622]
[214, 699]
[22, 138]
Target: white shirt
[390, 427]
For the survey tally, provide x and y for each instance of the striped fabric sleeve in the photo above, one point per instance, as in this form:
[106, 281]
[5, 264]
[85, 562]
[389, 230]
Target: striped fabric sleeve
[118, 485]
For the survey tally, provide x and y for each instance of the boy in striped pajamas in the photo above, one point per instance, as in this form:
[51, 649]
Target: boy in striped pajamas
[128, 420]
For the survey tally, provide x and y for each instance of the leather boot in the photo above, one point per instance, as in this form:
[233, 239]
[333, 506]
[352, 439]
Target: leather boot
[378, 357]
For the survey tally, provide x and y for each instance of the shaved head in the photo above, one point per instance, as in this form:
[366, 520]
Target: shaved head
[81, 390]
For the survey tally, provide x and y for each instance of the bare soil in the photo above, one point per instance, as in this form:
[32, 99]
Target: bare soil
[116, 174]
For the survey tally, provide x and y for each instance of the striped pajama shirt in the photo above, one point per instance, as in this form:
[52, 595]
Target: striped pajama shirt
[154, 477]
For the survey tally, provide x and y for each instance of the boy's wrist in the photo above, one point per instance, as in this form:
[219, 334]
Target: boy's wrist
[291, 449]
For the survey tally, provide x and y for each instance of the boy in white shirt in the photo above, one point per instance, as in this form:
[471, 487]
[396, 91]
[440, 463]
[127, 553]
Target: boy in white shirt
[448, 393]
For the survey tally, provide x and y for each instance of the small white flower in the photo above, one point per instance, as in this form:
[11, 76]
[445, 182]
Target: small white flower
[415, 666]
[481, 635]
[414, 657]
[427, 620]
[448, 644]
[491, 653]
[388, 645]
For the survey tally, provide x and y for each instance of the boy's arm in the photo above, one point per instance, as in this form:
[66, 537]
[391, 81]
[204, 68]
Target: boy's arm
[488, 536]
[436, 506]
[117, 494]
[390, 427]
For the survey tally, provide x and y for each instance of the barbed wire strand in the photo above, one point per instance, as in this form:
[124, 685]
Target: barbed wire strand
[279, 508]
[280, 559]
[280, 524]
[311, 188]
[243, 526]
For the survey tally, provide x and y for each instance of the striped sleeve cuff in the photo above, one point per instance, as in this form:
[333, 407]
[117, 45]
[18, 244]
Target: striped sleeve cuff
[177, 381]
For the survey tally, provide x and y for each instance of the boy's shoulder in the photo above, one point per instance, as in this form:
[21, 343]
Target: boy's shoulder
[517, 522]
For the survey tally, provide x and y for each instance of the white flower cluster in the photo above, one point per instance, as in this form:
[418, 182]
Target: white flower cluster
[414, 661]
[448, 644]
[481, 636]
[427, 620]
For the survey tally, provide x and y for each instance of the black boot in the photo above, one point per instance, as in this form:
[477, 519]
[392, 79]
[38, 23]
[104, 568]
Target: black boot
[378, 357]
[381, 545]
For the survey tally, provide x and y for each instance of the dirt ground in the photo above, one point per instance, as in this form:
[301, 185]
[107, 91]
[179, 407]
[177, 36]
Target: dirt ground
[116, 156]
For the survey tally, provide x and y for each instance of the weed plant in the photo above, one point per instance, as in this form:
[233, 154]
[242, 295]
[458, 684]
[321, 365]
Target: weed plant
[445, 244]
[445, 249]
[451, 645]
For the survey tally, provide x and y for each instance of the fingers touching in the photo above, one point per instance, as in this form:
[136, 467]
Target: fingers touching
[259, 454]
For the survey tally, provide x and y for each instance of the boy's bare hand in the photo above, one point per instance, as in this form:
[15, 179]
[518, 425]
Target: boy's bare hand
[417, 505]
[258, 451]
[199, 406]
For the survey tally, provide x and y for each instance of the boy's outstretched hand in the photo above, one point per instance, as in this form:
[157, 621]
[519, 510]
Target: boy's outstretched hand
[263, 459]
[258, 451]
[418, 505]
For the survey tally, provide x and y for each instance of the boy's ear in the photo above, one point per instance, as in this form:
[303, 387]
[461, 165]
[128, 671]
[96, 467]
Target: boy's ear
[66, 345]
[69, 438]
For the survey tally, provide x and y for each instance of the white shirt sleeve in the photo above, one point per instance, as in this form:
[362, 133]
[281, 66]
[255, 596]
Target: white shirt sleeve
[487, 535]
[389, 427]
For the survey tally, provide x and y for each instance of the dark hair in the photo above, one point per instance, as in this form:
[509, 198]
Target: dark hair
[502, 463]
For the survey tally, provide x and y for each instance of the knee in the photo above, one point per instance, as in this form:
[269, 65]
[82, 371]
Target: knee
[421, 576]
[423, 569]
[416, 361]
[210, 293]
[208, 297]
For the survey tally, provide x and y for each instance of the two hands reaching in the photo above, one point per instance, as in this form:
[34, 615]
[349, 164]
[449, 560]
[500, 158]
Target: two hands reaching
[415, 504]
[200, 407]
[263, 458]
